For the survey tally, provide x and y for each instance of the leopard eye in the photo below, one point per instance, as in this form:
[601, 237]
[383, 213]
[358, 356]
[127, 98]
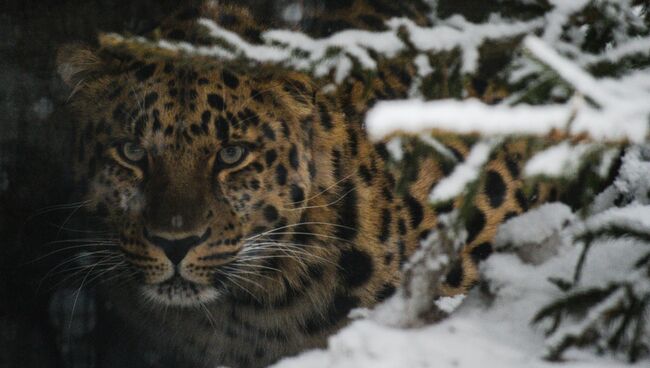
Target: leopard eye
[232, 155]
[133, 152]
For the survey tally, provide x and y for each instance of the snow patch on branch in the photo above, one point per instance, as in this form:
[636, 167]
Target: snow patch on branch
[354, 42]
[634, 218]
[461, 34]
[264, 53]
[622, 111]
[535, 226]
[468, 116]
[557, 161]
[463, 174]
[582, 81]
[633, 47]
[341, 49]
[558, 17]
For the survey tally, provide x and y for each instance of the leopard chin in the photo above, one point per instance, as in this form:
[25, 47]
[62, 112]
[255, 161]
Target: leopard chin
[178, 292]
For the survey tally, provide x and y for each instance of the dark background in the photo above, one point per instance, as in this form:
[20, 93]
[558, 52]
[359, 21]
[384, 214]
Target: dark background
[35, 133]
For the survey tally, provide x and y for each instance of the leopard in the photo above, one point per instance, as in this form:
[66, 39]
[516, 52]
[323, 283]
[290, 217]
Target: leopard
[251, 212]
[242, 193]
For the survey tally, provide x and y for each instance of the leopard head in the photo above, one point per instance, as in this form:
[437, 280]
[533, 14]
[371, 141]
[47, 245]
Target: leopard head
[192, 162]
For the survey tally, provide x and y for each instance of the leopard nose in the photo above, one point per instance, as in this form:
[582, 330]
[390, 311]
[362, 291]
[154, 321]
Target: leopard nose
[176, 249]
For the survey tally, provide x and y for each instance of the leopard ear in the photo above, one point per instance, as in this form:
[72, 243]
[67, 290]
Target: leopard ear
[76, 64]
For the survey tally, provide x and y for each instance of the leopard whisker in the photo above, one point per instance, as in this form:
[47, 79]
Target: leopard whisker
[81, 267]
[255, 265]
[58, 207]
[297, 224]
[111, 266]
[277, 256]
[241, 270]
[208, 315]
[228, 277]
[105, 258]
[314, 234]
[59, 250]
[67, 219]
[340, 198]
[104, 269]
[83, 231]
[76, 298]
[124, 275]
[72, 259]
[81, 240]
[321, 192]
[295, 248]
[243, 279]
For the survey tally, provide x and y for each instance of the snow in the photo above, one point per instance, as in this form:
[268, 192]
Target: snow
[606, 162]
[320, 55]
[557, 18]
[572, 73]
[622, 110]
[355, 43]
[622, 105]
[632, 184]
[450, 303]
[264, 53]
[637, 46]
[394, 147]
[280, 44]
[560, 160]
[439, 147]
[461, 34]
[369, 344]
[540, 224]
[422, 64]
[634, 217]
[463, 174]
[499, 336]
[467, 116]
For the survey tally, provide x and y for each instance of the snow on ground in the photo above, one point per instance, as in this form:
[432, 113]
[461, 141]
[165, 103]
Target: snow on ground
[478, 335]
[540, 223]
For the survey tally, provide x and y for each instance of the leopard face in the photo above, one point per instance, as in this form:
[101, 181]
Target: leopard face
[194, 168]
